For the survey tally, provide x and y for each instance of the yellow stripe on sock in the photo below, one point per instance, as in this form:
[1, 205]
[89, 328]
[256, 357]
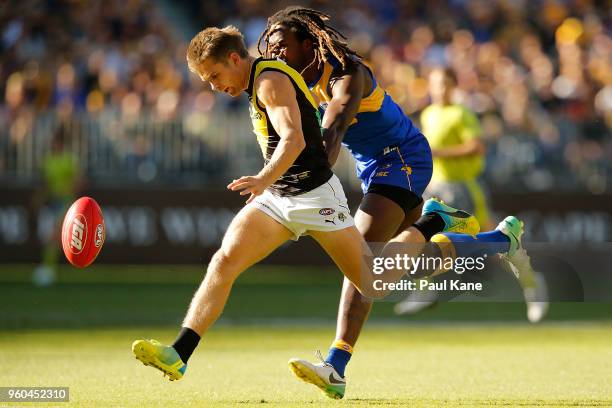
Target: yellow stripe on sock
[342, 345]
[447, 248]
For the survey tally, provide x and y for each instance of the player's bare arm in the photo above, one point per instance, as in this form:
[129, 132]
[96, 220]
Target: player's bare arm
[347, 90]
[277, 94]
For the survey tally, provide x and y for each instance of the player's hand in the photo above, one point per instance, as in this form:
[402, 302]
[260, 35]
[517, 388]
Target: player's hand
[254, 185]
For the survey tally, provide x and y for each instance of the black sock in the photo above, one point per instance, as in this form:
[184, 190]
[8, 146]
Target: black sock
[429, 225]
[185, 343]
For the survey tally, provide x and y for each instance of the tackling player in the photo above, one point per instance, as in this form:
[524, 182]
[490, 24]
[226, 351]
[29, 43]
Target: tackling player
[393, 163]
[294, 194]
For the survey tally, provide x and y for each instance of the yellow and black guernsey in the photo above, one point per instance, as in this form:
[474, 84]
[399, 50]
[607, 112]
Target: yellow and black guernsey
[311, 168]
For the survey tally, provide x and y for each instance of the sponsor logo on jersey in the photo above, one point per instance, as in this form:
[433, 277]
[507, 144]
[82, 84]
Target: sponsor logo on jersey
[295, 178]
[255, 115]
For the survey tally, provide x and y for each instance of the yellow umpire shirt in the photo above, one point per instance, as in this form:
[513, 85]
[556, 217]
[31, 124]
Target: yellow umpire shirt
[451, 125]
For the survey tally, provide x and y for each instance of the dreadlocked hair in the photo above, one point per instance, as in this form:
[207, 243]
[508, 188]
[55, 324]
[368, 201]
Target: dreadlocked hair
[309, 24]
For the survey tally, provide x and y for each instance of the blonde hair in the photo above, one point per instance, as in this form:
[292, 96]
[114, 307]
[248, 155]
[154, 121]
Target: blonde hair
[217, 43]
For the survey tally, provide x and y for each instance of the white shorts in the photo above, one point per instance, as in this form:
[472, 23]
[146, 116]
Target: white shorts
[322, 209]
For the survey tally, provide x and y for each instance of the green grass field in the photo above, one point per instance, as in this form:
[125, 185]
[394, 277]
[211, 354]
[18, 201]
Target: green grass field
[78, 334]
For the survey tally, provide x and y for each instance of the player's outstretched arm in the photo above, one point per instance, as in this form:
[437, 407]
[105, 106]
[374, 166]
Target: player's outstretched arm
[276, 93]
[347, 91]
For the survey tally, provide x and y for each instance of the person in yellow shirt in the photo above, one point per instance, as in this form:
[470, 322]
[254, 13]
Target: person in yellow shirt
[454, 134]
[458, 151]
[61, 180]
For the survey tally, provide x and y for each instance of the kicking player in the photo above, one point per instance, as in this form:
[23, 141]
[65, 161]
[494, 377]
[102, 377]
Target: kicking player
[393, 162]
[294, 194]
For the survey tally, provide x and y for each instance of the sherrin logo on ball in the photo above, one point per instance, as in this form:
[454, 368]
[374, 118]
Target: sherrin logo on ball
[83, 232]
[99, 236]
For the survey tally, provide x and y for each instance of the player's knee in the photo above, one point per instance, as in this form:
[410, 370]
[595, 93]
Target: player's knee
[358, 302]
[369, 293]
[224, 265]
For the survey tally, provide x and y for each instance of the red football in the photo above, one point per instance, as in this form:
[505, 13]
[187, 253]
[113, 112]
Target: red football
[83, 232]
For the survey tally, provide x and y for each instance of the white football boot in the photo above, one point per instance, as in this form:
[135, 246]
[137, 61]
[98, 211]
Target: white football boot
[532, 282]
[322, 375]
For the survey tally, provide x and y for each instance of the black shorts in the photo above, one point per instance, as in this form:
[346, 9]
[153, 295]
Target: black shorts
[405, 198]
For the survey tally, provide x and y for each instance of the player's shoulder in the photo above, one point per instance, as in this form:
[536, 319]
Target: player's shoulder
[272, 86]
[271, 78]
[352, 66]
[275, 70]
[353, 70]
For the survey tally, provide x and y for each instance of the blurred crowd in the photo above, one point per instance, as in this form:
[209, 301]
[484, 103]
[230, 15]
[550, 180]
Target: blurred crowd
[538, 74]
[111, 70]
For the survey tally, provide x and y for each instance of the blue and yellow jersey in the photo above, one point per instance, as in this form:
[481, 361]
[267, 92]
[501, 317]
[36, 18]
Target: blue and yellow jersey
[379, 122]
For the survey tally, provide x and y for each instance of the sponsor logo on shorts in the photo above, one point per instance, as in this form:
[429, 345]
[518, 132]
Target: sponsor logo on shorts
[382, 174]
[99, 236]
[389, 149]
[326, 211]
